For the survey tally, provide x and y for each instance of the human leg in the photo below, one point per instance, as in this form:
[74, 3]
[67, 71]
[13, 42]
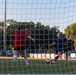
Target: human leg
[25, 57]
[15, 52]
[69, 57]
[56, 58]
[66, 53]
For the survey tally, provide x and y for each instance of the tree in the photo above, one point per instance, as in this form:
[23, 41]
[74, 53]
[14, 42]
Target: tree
[42, 34]
[71, 30]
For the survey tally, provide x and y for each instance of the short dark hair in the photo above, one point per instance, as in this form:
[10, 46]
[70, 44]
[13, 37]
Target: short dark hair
[20, 27]
[60, 33]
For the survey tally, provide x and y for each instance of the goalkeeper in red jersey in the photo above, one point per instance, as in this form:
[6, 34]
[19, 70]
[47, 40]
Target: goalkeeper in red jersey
[19, 43]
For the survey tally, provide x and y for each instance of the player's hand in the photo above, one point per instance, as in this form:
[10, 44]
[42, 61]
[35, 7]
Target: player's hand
[49, 45]
[33, 40]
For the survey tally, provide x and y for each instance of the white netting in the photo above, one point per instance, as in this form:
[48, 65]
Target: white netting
[42, 19]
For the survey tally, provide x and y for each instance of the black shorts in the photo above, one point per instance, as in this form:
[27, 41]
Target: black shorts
[20, 50]
[56, 51]
[70, 48]
[59, 49]
[67, 49]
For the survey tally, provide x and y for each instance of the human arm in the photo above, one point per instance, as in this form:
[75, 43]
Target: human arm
[29, 37]
[52, 44]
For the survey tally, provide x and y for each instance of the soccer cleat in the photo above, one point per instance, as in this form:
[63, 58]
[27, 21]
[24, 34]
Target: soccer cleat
[53, 62]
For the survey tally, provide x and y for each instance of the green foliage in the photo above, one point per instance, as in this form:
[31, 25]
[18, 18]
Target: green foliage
[41, 33]
[71, 30]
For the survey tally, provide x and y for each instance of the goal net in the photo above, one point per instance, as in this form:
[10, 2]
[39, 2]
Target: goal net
[42, 20]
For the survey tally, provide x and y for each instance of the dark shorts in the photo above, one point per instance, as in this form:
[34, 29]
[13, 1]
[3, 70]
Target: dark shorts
[67, 49]
[56, 51]
[59, 49]
[20, 50]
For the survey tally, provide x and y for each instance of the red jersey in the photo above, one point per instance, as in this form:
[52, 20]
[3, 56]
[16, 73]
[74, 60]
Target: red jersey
[19, 39]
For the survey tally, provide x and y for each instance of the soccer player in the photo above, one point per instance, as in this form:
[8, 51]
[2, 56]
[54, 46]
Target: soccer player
[59, 46]
[70, 47]
[19, 43]
[65, 46]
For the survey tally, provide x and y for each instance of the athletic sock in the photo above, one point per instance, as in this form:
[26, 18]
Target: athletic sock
[14, 58]
[69, 58]
[26, 60]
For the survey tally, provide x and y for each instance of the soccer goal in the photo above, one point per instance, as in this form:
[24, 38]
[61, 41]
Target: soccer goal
[42, 20]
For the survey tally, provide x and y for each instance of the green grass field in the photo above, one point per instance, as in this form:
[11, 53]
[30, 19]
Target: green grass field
[36, 67]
